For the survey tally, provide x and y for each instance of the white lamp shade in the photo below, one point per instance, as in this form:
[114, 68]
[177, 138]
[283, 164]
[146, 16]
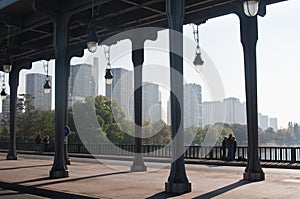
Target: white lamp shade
[3, 97]
[92, 46]
[47, 90]
[7, 68]
[109, 81]
[251, 8]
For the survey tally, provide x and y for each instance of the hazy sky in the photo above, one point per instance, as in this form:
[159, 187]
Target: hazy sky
[277, 59]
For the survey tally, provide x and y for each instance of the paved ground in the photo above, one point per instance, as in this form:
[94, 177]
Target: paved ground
[27, 177]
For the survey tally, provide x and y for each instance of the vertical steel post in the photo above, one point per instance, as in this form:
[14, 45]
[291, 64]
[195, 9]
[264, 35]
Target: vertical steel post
[67, 159]
[61, 22]
[138, 60]
[249, 36]
[13, 84]
[177, 181]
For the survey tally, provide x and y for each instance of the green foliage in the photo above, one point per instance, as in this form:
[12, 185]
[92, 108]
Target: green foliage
[119, 130]
[4, 131]
[33, 123]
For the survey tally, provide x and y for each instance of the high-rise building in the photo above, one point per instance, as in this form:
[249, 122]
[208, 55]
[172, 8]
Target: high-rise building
[230, 111]
[82, 81]
[192, 105]
[95, 74]
[273, 123]
[34, 87]
[151, 102]
[5, 106]
[121, 90]
[235, 111]
[263, 121]
[213, 112]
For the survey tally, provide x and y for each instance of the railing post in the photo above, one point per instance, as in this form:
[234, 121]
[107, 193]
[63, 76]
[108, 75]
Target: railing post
[293, 154]
[211, 153]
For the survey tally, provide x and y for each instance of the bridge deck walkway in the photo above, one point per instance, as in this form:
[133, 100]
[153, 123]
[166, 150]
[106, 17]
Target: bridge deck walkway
[112, 179]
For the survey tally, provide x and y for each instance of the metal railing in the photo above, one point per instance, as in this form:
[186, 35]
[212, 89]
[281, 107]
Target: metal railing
[270, 154]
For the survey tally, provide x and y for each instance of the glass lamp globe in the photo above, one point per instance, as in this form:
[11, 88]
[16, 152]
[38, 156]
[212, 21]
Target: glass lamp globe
[198, 62]
[251, 8]
[92, 40]
[92, 46]
[3, 94]
[108, 76]
[7, 68]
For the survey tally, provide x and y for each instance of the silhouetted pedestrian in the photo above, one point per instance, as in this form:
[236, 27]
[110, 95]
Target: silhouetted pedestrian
[46, 143]
[234, 147]
[38, 142]
[224, 146]
[230, 148]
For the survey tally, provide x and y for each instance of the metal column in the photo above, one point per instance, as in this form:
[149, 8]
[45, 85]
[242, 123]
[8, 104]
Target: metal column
[72, 53]
[138, 60]
[249, 36]
[177, 181]
[13, 84]
[67, 159]
[59, 168]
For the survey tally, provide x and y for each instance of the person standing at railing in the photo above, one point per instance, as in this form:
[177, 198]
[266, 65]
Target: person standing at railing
[234, 147]
[224, 146]
[38, 142]
[230, 146]
[46, 143]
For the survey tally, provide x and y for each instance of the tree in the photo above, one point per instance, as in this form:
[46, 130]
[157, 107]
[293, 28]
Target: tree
[296, 131]
[240, 132]
[4, 130]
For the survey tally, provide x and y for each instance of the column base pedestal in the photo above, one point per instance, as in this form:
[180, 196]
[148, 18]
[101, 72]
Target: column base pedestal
[250, 176]
[59, 174]
[138, 168]
[68, 162]
[11, 157]
[178, 188]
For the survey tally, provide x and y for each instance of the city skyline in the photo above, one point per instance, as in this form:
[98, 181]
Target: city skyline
[229, 110]
[277, 62]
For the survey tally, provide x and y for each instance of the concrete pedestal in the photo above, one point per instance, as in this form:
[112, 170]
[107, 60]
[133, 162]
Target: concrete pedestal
[178, 188]
[59, 174]
[250, 176]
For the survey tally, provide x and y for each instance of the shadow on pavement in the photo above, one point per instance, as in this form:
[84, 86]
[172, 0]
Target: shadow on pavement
[162, 195]
[35, 190]
[26, 167]
[73, 179]
[42, 192]
[222, 190]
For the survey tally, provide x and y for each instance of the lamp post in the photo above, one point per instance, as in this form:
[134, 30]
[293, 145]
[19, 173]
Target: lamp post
[47, 87]
[92, 39]
[3, 92]
[251, 7]
[7, 63]
[108, 74]
[198, 62]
